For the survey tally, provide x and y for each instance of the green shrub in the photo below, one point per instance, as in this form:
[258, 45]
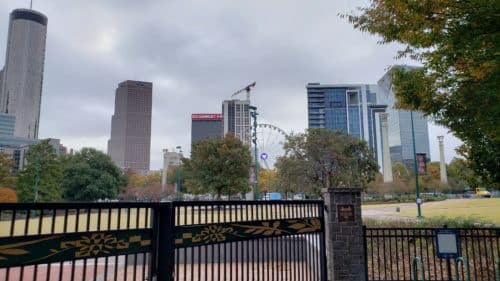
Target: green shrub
[401, 198]
[469, 222]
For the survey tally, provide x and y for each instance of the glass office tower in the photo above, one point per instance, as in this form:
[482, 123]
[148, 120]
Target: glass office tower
[350, 108]
[399, 123]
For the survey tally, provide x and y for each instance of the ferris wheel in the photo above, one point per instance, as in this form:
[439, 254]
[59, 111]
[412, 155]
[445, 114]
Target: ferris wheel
[270, 141]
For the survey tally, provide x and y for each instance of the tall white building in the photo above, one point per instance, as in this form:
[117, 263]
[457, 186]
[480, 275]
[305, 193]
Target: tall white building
[236, 114]
[22, 78]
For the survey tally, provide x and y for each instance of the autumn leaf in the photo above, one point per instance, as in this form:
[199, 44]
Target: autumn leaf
[297, 226]
[268, 232]
[14, 252]
[307, 229]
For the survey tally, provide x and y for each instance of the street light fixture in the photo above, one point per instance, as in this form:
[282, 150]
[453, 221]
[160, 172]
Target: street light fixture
[253, 114]
[179, 176]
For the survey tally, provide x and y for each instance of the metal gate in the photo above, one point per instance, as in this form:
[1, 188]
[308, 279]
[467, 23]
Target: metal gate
[212, 240]
[249, 240]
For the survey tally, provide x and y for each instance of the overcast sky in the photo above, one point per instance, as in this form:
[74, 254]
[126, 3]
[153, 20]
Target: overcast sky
[196, 53]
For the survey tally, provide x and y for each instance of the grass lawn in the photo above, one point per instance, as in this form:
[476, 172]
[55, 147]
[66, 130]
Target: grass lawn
[486, 209]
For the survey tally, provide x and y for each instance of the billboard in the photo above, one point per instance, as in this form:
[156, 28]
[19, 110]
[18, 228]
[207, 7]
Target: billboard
[421, 164]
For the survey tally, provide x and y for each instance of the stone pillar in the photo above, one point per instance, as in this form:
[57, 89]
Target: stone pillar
[386, 154]
[345, 250]
[442, 164]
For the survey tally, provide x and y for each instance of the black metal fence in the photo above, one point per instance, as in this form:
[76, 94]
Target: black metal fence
[232, 240]
[390, 252]
[59, 241]
[250, 240]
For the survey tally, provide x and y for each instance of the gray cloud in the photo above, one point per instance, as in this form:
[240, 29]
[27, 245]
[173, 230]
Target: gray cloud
[196, 53]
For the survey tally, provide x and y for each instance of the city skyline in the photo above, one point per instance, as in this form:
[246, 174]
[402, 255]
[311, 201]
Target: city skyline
[195, 66]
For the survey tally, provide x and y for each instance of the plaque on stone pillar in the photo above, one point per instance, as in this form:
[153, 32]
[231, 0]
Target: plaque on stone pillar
[345, 213]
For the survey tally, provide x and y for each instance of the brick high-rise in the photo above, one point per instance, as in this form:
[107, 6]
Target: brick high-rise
[130, 142]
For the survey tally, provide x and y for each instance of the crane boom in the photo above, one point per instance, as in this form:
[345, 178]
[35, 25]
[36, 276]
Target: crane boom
[246, 89]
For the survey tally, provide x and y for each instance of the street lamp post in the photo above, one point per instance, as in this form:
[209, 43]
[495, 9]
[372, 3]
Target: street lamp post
[419, 200]
[179, 176]
[254, 114]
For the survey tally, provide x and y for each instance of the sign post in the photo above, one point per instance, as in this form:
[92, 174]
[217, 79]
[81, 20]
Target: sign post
[448, 246]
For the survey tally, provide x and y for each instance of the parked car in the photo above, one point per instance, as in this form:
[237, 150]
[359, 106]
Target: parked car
[299, 196]
[482, 192]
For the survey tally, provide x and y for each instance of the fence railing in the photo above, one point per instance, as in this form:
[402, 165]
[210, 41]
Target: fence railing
[250, 240]
[60, 241]
[229, 240]
[390, 252]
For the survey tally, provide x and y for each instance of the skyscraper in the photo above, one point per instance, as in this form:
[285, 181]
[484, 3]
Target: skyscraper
[206, 126]
[236, 114]
[350, 108]
[399, 123]
[130, 142]
[22, 79]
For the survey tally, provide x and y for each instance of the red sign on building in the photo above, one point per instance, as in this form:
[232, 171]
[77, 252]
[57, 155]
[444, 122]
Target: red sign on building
[206, 116]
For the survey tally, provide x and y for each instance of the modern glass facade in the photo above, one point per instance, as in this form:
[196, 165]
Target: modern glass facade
[347, 108]
[399, 123]
[7, 124]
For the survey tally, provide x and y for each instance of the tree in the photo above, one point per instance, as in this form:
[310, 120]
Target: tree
[140, 180]
[7, 195]
[219, 166]
[291, 177]
[42, 176]
[431, 181]
[267, 180]
[135, 179]
[330, 159]
[400, 172]
[176, 176]
[459, 170]
[457, 44]
[153, 178]
[7, 178]
[90, 175]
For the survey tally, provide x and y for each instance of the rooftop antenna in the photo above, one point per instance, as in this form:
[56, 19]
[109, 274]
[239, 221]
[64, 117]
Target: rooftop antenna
[31, 4]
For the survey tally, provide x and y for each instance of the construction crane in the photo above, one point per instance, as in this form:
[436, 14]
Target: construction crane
[246, 89]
